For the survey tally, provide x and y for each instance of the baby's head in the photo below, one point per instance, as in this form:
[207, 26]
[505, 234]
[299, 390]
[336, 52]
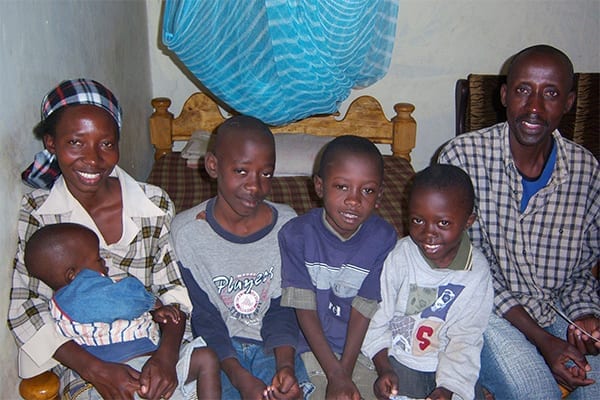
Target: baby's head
[350, 182]
[242, 161]
[56, 253]
[440, 209]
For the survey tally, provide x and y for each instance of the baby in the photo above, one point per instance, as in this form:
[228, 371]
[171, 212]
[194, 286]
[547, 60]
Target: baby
[114, 321]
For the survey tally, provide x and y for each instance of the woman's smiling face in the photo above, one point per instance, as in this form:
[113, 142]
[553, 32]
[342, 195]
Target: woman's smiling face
[86, 147]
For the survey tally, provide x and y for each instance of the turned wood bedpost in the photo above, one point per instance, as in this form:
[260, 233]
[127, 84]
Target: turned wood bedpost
[161, 124]
[405, 130]
[44, 386]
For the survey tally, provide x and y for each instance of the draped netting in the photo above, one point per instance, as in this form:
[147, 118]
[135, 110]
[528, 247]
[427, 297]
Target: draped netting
[282, 60]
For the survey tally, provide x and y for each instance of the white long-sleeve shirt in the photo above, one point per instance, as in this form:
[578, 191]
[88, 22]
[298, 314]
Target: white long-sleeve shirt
[432, 319]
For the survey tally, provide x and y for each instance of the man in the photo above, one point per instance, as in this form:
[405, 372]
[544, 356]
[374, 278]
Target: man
[538, 202]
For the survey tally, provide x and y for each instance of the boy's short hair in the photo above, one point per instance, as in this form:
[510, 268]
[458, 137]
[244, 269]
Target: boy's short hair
[445, 177]
[241, 123]
[349, 144]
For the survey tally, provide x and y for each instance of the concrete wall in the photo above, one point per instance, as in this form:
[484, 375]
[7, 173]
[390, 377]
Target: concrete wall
[43, 42]
[438, 42]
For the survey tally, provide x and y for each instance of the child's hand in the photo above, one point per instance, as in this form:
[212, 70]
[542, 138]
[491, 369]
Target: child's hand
[440, 393]
[252, 388]
[165, 313]
[386, 385]
[341, 387]
[284, 385]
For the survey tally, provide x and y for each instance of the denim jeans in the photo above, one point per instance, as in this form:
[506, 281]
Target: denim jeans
[262, 365]
[512, 368]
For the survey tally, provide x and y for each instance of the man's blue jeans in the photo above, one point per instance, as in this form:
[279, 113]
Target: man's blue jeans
[512, 368]
[254, 359]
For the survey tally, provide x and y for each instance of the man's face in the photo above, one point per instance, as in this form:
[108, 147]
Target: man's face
[536, 96]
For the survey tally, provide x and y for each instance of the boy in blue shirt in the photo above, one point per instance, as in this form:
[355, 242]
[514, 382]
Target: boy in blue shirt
[331, 264]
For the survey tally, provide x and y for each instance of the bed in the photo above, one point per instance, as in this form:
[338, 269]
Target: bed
[188, 185]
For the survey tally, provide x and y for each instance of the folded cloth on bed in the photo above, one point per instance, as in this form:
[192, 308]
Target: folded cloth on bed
[195, 148]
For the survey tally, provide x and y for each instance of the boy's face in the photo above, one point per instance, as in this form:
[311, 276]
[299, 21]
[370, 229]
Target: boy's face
[437, 220]
[243, 168]
[351, 190]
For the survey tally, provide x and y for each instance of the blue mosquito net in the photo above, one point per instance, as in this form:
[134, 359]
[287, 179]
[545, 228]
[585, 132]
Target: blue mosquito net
[282, 60]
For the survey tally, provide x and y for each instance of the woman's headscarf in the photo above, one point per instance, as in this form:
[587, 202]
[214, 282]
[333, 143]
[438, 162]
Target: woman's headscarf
[45, 170]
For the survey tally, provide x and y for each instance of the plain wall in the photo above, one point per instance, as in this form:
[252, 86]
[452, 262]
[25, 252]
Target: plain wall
[438, 42]
[42, 43]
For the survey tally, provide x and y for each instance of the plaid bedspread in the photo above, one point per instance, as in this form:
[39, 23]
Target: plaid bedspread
[188, 187]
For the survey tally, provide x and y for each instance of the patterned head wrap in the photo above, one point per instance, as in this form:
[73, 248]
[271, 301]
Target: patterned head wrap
[81, 91]
[45, 170]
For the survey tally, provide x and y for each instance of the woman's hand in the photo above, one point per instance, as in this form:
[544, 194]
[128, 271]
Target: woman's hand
[158, 378]
[116, 381]
[111, 380]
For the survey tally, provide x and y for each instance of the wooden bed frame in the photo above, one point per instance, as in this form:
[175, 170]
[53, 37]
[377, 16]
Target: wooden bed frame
[365, 117]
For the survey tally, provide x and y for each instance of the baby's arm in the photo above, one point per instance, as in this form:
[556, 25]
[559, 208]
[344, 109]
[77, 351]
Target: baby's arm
[339, 378]
[163, 314]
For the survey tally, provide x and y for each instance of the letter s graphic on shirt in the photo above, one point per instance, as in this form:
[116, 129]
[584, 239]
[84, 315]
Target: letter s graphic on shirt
[423, 335]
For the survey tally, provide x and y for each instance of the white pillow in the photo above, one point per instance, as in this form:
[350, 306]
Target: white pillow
[297, 153]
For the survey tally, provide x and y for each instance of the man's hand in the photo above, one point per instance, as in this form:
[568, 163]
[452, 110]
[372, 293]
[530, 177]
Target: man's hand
[558, 353]
[577, 338]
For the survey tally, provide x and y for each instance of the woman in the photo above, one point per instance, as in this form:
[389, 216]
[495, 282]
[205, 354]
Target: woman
[80, 126]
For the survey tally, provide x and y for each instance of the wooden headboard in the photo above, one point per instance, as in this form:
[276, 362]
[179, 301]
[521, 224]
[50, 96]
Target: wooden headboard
[365, 117]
